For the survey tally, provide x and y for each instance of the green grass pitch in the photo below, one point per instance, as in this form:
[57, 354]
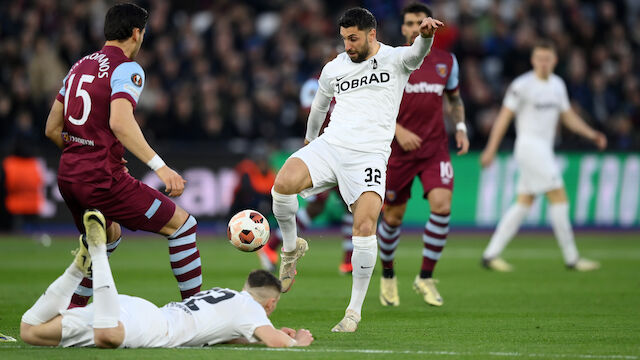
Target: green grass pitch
[540, 311]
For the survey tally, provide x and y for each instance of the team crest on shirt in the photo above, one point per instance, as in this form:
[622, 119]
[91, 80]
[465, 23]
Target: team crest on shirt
[65, 137]
[136, 79]
[441, 69]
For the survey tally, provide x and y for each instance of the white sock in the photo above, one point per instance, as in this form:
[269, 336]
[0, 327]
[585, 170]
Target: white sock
[363, 259]
[56, 298]
[559, 216]
[507, 228]
[284, 210]
[106, 312]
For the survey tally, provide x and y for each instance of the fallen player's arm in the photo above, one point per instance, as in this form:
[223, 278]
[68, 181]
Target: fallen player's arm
[273, 337]
[239, 340]
[55, 124]
[575, 123]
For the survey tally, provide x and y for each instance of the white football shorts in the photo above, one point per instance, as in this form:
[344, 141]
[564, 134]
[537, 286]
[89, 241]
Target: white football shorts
[539, 172]
[144, 324]
[355, 172]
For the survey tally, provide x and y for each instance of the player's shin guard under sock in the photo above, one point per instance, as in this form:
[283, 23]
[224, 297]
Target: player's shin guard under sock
[363, 260]
[84, 291]
[55, 298]
[185, 258]
[284, 210]
[388, 239]
[434, 239]
[105, 299]
[507, 228]
[559, 216]
[347, 232]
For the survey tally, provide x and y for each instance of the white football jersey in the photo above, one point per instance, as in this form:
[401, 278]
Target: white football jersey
[367, 96]
[537, 104]
[212, 317]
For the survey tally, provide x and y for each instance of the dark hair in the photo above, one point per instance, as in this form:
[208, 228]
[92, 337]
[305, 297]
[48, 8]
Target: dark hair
[263, 278]
[362, 18]
[544, 44]
[122, 18]
[416, 7]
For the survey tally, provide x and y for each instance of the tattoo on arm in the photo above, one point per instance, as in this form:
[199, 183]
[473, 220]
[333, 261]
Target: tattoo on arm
[457, 108]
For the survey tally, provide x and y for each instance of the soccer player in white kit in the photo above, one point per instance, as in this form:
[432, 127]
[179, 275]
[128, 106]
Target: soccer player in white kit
[537, 99]
[367, 81]
[120, 321]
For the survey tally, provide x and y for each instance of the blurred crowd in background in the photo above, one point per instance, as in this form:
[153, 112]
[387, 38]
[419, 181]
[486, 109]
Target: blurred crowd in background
[225, 71]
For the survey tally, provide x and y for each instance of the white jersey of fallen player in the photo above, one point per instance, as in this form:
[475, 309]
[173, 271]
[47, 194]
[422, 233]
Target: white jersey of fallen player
[537, 104]
[212, 317]
[367, 96]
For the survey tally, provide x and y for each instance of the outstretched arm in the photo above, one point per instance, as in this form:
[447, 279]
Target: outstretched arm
[497, 133]
[456, 113]
[273, 337]
[413, 56]
[55, 124]
[126, 129]
[575, 123]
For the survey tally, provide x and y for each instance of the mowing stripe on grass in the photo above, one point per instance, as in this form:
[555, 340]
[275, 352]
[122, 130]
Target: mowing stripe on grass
[422, 352]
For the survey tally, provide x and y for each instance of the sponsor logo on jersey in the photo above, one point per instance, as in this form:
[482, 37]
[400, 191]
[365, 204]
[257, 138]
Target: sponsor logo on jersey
[373, 78]
[136, 79]
[70, 138]
[424, 87]
[545, 106]
[441, 69]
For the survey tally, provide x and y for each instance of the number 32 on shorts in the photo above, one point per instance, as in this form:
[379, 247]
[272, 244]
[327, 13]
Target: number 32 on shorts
[372, 176]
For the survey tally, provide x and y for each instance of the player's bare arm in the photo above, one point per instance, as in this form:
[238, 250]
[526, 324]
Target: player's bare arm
[495, 138]
[273, 337]
[575, 123]
[55, 124]
[407, 139]
[126, 129]
[456, 113]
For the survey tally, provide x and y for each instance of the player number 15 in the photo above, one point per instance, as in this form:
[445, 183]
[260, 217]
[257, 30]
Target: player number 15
[80, 92]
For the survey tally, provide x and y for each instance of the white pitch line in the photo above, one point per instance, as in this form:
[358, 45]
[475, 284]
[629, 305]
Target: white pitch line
[422, 352]
[398, 352]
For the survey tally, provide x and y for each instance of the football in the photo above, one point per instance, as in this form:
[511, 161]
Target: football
[248, 230]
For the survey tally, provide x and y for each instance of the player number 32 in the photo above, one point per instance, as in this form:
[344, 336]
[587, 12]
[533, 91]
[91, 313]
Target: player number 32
[373, 176]
[80, 92]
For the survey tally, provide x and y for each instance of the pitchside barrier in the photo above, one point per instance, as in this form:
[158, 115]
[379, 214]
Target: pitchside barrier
[603, 188]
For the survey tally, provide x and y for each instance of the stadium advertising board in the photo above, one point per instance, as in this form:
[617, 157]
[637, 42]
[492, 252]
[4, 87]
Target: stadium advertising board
[604, 190]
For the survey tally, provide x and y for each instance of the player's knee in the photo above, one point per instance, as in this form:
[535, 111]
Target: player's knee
[114, 232]
[392, 218]
[107, 338]
[284, 185]
[441, 206]
[364, 227]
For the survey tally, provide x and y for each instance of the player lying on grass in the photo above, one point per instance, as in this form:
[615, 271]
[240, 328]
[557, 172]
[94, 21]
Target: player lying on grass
[120, 321]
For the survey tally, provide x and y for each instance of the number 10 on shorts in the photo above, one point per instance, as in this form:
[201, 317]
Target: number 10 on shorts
[446, 170]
